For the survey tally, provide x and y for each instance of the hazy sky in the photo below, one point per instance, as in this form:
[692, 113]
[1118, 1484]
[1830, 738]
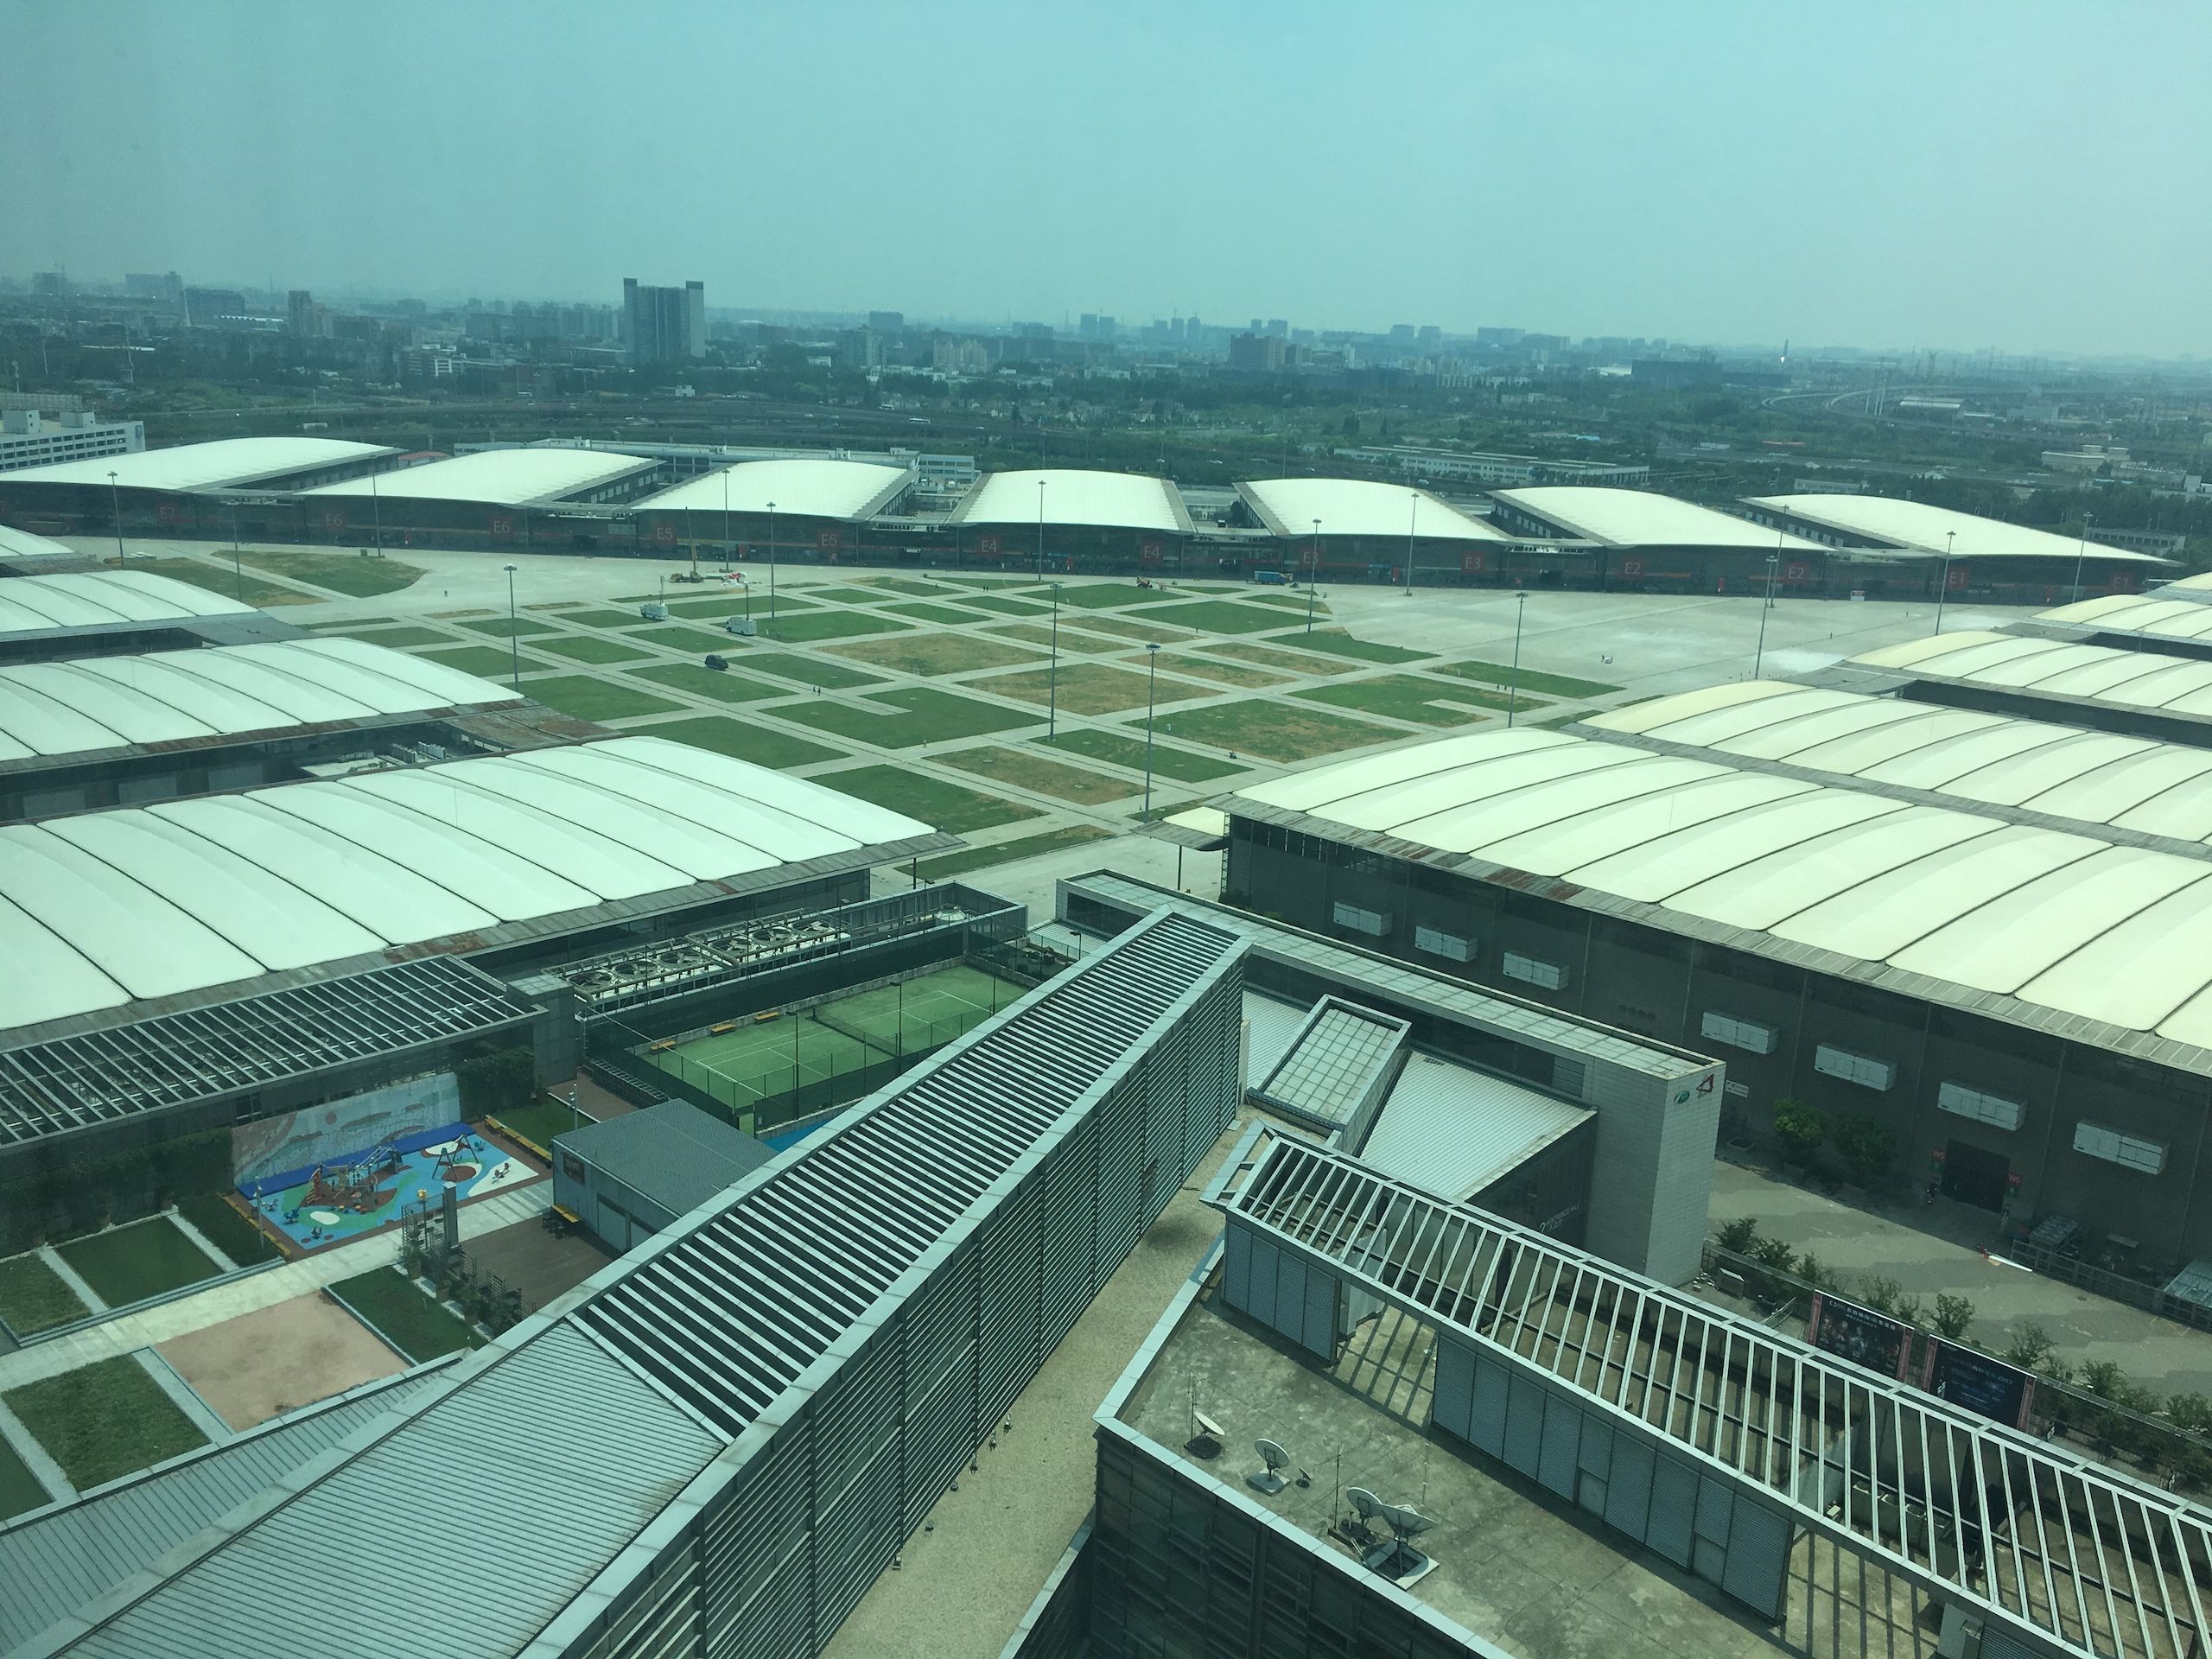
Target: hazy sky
[2016, 174]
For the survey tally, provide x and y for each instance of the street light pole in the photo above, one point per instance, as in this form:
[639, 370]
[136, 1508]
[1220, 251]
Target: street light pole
[376, 514]
[115, 497]
[1052, 718]
[514, 650]
[1412, 519]
[1943, 587]
[2086, 520]
[772, 560]
[694, 550]
[1513, 684]
[1152, 679]
[1312, 575]
[238, 570]
[1759, 656]
[1040, 528]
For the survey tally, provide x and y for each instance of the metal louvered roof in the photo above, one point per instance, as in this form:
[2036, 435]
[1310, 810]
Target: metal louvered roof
[1992, 760]
[729, 1317]
[419, 1514]
[1902, 1477]
[55, 1561]
[177, 1059]
[2017, 920]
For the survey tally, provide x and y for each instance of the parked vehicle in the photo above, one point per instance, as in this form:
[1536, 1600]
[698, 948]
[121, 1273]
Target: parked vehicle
[653, 612]
[716, 662]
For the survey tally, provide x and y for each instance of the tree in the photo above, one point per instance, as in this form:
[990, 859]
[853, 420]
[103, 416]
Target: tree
[1954, 1317]
[1881, 1295]
[1867, 1146]
[1801, 1128]
[1739, 1235]
[2031, 1348]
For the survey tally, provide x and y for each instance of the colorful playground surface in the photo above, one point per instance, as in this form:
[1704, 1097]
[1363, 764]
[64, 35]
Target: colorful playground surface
[343, 1198]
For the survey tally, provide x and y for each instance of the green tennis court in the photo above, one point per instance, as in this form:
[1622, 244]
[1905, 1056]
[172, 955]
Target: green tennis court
[769, 1070]
[920, 1013]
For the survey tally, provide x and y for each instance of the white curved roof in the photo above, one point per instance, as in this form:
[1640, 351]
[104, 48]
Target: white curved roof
[169, 697]
[506, 478]
[821, 489]
[2098, 778]
[1353, 506]
[204, 466]
[1919, 526]
[1116, 500]
[33, 604]
[2196, 587]
[2130, 679]
[1642, 518]
[2153, 617]
[22, 545]
[106, 908]
[2069, 923]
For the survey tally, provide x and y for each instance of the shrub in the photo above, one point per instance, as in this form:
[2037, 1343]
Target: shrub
[2191, 1412]
[1867, 1147]
[1773, 1252]
[499, 1082]
[1801, 1128]
[1737, 1237]
[1954, 1317]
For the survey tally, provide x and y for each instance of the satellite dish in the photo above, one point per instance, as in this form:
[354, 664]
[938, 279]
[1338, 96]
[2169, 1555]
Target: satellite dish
[1207, 1423]
[1204, 1443]
[1368, 1506]
[1275, 1457]
[1398, 1560]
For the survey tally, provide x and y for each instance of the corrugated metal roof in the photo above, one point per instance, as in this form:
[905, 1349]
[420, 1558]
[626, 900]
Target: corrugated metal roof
[1354, 506]
[92, 598]
[22, 545]
[2100, 778]
[1274, 1023]
[212, 465]
[1920, 526]
[90, 704]
[460, 1533]
[1953, 895]
[2092, 674]
[1453, 1130]
[191, 893]
[2152, 616]
[1643, 518]
[1275, 1027]
[500, 477]
[56, 1561]
[811, 488]
[673, 1154]
[1116, 500]
[728, 1317]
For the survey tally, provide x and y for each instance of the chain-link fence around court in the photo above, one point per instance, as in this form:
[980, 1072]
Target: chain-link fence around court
[765, 1071]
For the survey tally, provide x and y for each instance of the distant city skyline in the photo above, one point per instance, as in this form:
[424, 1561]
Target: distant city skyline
[1897, 177]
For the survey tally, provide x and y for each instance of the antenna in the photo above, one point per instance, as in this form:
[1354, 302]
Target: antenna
[1275, 1457]
[1398, 1560]
[1368, 1508]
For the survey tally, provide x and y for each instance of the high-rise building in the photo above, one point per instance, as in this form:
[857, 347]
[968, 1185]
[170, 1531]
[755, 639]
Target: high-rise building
[886, 322]
[1279, 326]
[166, 286]
[663, 325]
[207, 308]
[306, 318]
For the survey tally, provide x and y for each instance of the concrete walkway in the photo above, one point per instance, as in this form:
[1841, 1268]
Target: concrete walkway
[2160, 1354]
[112, 1338]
